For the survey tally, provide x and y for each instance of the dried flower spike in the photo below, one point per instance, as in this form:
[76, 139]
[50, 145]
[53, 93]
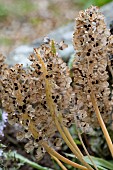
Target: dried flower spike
[26, 95]
[91, 44]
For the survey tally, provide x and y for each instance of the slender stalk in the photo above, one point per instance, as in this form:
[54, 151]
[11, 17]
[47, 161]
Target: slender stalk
[101, 122]
[68, 135]
[72, 141]
[71, 147]
[79, 135]
[52, 108]
[60, 157]
[74, 144]
[49, 100]
[32, 128]
[59, 163]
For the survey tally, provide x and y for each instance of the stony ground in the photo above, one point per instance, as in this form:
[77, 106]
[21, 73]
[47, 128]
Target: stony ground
[22, 21]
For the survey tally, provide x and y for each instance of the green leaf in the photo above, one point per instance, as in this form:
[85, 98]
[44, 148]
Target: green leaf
[14, 154]
[100, 163]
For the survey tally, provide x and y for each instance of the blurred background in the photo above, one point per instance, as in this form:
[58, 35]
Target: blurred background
[22, 21]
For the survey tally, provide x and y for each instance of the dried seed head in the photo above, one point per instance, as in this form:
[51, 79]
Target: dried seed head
[91, 43]
[20, 135]
[40, 153]
[29, 147]
[32, 96]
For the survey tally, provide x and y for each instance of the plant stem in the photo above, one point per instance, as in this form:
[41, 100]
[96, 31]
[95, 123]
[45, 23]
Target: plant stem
[71, 140]
[68, 135]
[52, 108]
[101, 122]
[58, 162]
[71, 146]
[79, 135]
[60, 157]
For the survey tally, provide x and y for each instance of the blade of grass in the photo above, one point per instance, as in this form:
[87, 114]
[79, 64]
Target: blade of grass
[100, 162]
[22, 159]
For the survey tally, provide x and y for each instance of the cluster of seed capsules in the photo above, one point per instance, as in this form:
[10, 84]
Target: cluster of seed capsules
[92, 41]
[24, 96]
[33, 96]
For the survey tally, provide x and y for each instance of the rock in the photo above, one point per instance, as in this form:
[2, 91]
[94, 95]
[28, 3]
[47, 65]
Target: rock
[21, 53]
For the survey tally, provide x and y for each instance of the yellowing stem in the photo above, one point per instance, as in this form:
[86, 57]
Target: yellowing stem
[68, 135]
[52, 108]
[101, 122]
[63, 159]
[59, 163]
[71, 146]
[79, 135]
